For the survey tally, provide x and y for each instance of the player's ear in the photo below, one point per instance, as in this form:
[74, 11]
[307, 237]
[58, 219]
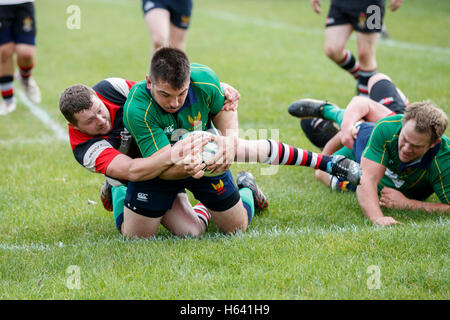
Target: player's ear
[149, 82]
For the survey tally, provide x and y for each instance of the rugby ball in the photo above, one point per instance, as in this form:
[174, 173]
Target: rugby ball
[208, 152]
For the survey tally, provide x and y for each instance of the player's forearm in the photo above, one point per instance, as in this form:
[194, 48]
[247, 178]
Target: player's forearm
[333, 145]
[149, 168]
[428, 206]
[227, 123]
[175, 172]
[368, 199]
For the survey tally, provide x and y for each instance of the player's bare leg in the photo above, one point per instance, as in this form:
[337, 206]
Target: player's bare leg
[336, 38]
[231, 220]
[138, 226]
[177, 37]
[26, 58]
[367, 59]
[181, 220]
[158, 25]
[8, 102]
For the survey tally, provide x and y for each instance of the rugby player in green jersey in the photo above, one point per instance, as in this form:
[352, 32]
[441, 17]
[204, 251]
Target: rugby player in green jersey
[178, 95]
[405, 158]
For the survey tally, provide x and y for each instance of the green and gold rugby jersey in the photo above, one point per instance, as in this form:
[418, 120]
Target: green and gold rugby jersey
[152, 127]
[431, 173]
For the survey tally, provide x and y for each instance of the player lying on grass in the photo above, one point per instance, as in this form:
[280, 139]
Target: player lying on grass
[96, 144]
[405, 158]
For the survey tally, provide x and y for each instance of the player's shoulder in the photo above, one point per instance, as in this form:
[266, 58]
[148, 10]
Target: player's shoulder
[137, 94]
[76, 137]
[114, 89]
[389, 127]
[202, 74]
[443, 156]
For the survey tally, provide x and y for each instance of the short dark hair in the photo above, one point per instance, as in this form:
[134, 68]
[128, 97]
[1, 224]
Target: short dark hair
[170, 65]
[74, 99]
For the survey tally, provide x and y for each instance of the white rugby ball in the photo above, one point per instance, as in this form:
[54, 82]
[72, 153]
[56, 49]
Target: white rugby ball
[208, 152]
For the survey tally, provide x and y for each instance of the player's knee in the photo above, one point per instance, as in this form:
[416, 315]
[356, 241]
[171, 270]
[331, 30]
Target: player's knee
[366, 56]
[375, 78]
[159, 41]
[333, 52]
[132, 234]
[6, 52]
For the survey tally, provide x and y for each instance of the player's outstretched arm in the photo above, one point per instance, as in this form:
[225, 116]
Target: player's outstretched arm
[391, 198]
[169, 162]
[367, 193]
[227, 124]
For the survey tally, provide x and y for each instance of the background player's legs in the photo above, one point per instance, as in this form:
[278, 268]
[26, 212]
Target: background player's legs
[26, 58]
[181, 219]
[177, 37]
[7, 77]
[158, 25]
[367, 59]
[336, 38]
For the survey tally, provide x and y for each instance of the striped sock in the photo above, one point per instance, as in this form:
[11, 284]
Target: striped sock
[284, 154]
[363, 80]
[7, 88]
[350, 64]
[25, 72]
[202, 213]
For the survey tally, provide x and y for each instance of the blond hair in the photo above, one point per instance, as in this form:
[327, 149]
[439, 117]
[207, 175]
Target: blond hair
[429, 118]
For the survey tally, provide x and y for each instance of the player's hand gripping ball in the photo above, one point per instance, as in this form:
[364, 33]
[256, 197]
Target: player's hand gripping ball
[208, 152]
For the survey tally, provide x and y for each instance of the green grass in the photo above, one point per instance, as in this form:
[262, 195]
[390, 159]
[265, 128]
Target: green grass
[310, 243]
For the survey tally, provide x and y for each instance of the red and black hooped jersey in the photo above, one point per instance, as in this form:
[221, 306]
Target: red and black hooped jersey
[95, 153]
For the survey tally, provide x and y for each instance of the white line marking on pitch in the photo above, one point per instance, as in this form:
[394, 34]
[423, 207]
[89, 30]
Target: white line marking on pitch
[273, 232]
[39, 113]
[261, 22]
[279, 25]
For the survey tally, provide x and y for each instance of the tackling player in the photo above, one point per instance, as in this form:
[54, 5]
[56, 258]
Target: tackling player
[101, 144]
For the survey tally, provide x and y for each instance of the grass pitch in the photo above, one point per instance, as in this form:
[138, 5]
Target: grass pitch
[309, 244]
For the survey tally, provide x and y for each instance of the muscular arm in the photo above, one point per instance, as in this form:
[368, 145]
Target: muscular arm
[360, 108]
[391, 198]
[228, 125]
[125, 168]
[170, 162]
[367, 193]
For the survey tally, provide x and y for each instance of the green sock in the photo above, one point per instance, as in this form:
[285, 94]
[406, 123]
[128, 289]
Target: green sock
[118, 197]
[333, 113]
[249, 204]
